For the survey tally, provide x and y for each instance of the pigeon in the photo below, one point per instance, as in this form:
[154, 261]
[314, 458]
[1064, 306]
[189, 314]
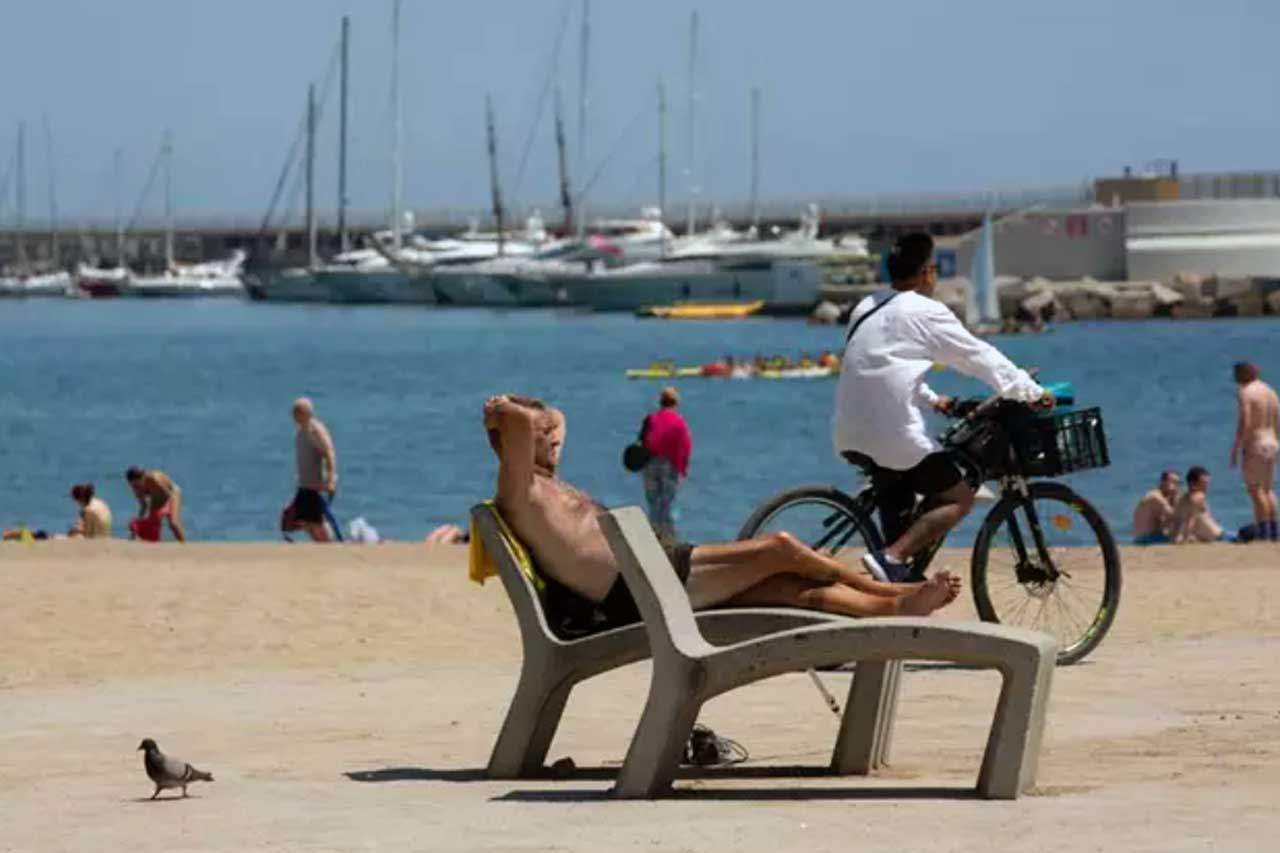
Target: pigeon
[169, 772]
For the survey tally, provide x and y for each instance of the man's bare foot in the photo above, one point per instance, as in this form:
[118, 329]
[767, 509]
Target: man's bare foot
[934, 593]
[954, 585]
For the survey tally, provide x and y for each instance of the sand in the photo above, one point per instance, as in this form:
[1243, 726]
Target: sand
[346, 698]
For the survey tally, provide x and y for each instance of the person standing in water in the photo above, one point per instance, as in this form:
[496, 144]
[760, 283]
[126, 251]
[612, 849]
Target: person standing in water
[1256, 445]
[317, 464]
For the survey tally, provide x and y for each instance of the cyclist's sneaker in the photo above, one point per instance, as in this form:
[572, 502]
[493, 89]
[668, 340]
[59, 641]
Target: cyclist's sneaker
[884, 569]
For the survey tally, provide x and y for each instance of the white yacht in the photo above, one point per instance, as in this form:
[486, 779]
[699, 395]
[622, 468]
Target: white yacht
[57, 283]
[210, 278]
[367, 276]
[785, 284]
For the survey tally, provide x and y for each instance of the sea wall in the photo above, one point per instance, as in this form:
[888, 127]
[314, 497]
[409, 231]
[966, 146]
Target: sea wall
[1039, 300]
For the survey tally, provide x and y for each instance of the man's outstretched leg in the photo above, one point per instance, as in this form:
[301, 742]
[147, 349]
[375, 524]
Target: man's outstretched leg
[795, 591]
[719, 573]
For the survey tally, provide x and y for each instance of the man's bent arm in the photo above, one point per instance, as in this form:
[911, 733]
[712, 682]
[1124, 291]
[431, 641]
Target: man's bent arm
[515, 425]
[950, 343]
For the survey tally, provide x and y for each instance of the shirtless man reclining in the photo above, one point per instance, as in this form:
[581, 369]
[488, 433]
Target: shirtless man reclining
[559, 525]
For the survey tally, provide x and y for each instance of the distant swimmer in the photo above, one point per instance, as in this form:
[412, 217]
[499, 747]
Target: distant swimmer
[1256, 444]
[94, 521]
[159, 500]
[1192, 519]
[317, 463]
[1154, 514]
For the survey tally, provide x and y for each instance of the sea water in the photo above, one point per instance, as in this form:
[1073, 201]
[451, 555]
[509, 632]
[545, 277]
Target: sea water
[202, 390]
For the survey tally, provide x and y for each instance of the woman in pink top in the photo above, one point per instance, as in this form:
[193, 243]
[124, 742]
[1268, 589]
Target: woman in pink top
[666, 437]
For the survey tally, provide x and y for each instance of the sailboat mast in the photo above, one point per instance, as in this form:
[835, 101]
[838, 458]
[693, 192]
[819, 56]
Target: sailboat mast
[54, 246]
[755, 158]
[693, 98]
[343, 239]
[117, 169]
[493, 170]
[584, 57]
[21, 208]
[395, 108]
[168, 199]
[566, 197]
[662, 157]
[311, 176]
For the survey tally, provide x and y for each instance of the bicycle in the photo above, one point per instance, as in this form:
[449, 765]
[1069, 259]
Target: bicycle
[1022, 572]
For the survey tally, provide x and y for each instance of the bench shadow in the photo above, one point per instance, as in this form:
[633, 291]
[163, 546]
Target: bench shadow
[470, 774]
[686, 774]
[573, 795]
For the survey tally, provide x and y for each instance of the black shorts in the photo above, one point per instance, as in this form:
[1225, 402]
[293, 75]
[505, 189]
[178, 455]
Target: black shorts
[619, 608]
[896, 490]
[308, 506]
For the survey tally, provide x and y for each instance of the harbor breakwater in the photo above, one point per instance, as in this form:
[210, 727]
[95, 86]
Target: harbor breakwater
[1041, 300]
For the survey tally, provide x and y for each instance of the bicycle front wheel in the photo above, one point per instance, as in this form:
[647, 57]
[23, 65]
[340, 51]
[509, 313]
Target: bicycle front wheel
[824, 518]
[1048, 562]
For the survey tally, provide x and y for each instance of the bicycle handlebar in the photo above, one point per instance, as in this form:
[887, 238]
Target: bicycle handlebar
[970, 409]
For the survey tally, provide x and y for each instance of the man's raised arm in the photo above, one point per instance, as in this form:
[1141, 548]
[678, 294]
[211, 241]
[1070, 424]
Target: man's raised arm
[511, 429]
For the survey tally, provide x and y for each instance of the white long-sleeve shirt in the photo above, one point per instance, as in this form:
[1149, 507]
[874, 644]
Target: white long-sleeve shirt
[882, 397]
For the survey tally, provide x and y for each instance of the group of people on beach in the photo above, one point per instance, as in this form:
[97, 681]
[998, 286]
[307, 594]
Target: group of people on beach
[1168, 515]
[160, 498]
[159, 501]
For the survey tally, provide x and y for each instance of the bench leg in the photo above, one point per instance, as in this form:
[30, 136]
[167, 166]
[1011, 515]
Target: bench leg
[1013, 746]
[866, 728]
[530, 725]
[656, 748]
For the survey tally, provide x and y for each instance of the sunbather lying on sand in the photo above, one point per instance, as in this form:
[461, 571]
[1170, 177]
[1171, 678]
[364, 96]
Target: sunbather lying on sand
[558, 524]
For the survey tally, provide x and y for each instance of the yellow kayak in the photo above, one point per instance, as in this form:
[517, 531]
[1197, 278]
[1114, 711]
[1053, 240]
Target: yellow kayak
[657, 372]
[705, 310]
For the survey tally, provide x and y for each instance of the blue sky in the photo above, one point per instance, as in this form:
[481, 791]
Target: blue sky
[858, 97]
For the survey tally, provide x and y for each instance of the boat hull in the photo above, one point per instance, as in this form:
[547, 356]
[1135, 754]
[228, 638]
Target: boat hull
[292, 284]
[780, 284]
[179, 287]
[43, 284]
[375, 287]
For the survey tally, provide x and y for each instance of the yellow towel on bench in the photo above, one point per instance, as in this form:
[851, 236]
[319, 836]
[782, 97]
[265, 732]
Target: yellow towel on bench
[480, 564]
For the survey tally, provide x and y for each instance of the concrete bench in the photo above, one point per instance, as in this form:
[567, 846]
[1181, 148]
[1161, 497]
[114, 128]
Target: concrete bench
[688, 670]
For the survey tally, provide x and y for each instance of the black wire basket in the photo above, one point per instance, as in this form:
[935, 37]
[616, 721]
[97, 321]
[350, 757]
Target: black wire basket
[1061, 442]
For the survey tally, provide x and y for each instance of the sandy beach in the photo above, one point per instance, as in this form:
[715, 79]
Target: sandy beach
[346, 698]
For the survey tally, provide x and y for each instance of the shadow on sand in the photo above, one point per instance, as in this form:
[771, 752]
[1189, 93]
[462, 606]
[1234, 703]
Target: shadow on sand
[607, 774]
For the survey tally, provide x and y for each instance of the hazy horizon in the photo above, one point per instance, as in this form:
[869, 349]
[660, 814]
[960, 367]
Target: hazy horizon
[856, 99]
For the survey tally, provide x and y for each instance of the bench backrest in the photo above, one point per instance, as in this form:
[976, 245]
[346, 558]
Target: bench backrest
[525, 597]
[660, 597]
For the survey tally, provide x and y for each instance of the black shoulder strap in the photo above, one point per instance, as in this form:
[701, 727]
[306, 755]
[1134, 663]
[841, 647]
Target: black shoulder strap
[864, 317]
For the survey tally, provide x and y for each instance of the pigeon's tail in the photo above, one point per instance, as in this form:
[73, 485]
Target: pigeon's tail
[200, 776]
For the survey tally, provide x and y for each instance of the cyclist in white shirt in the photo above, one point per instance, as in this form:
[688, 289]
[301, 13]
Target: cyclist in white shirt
[895, 336]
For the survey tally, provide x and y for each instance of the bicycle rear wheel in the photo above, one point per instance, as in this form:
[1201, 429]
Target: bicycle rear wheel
[824, 518]
[1048, 562]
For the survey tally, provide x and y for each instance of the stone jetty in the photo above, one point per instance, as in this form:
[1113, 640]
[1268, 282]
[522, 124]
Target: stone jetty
[1029, 301]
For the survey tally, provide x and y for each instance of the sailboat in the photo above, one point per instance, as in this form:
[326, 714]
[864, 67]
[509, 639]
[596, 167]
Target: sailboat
[101, 281]
[376, 279]
[25, 279]
[982, 302]
[266, 279]
[213, 278]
